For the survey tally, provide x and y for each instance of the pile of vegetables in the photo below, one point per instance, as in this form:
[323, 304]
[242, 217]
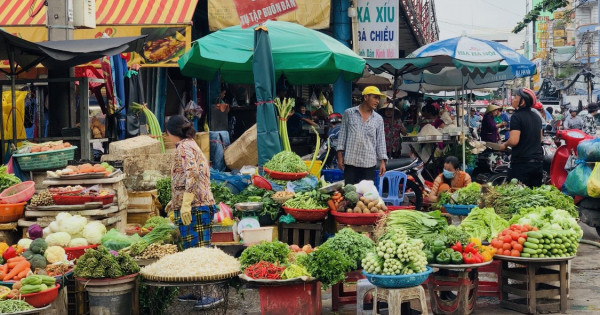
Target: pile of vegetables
[44, 198]
[30, 147]
[310, 200]
[547, 218]
[157, 251]
[286, 162]
[510, 241]
[274, 252]
[417, 224]
[220, 193]
[159, 234]
[510, 198]
[270, 207]
[14, 306]
[73, 231]
[7, 180]
[483, 223]
[193, 262]
[264, 270]
[550, 243]
[353, 245]
[102, 263]
[82, 169]
[396, 254]
[469, 195]
[32, 284]
[163, 187]
[352, 203]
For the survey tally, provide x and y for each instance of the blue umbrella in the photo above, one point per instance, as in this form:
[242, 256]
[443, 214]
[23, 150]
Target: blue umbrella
[267, 132]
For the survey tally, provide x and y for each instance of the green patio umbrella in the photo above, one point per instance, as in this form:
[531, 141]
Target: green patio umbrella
[267, 135]
[305, 56]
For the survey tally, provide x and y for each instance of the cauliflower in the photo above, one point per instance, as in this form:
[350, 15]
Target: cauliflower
[94, 231]
[58, 239]
[46, 231]
[63, 215]
[55, 254]
[72, 225]
[54, 227]
[77, 242]
[25, 242]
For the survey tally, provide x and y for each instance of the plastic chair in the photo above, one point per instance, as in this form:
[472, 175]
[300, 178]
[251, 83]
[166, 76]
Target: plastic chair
[394, 179]
[363, 286]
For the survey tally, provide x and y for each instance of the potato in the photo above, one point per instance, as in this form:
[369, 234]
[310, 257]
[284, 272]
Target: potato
[384, 208]
[374, 210]
[366, 211]
[357, 209]
[381, 212]
[362, 199]
[360, 204]
[371, 205]
[349, 210]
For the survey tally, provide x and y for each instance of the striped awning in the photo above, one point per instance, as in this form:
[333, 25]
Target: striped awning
[108, 12]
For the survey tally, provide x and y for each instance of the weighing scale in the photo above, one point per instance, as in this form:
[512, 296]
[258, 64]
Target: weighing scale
[250, 210]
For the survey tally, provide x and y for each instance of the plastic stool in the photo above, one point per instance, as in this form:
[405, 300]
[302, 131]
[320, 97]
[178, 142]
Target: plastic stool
[394, 179]
[363, 286]
[395, 297]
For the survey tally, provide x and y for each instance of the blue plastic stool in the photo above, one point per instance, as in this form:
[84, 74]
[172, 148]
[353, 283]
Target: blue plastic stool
[394, 179]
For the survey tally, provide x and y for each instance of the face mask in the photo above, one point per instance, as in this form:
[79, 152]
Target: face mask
[448, 174]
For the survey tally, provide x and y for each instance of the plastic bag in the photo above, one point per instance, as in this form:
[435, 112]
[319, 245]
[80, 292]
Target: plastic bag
[593, 184]
[576, 183]
[589, 150]
[116, 240]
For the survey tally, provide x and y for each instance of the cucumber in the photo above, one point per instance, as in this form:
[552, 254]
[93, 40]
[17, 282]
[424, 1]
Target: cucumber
[525, 255]
[530, 245]
[534, 234]
[529, 251]
[533, 240]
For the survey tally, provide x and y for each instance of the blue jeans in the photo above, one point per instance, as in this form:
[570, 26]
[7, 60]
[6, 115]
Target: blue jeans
[219, 140]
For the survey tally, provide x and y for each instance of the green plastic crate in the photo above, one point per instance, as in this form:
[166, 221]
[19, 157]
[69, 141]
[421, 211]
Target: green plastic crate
[49, 160]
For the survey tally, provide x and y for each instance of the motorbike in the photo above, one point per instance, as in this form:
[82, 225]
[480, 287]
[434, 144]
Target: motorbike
[589, 208]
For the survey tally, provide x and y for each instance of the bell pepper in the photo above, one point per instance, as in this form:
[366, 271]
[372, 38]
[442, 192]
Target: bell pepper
[437, 247]
[487, 256]
[443, 258]
[456, 258]
[470, 258]
[457, 247]
[470, 249]
[475, 241]
[430, 256]
[9, 253]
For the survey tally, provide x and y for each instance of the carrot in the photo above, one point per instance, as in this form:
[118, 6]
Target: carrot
[18, 258]
[336, 197]
[331, 205]
[23, 274]
[3, 270]
[17, 269]
[13, 264]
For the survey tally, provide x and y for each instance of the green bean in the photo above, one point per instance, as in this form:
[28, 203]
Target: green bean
[287, 162]
[13, 306]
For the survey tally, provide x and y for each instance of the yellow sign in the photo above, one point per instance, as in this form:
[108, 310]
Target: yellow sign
[559, 33]
[310, 13]
[163, 47]
[559, 15]
[559, 42]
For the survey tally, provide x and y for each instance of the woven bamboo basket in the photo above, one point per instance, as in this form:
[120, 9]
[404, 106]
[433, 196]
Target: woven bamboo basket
[243, 151]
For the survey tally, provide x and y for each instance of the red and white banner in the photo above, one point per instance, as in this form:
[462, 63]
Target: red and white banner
[253, 12]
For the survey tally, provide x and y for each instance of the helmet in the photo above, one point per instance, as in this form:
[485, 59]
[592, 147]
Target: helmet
[538, 106]
[528, 95]
[335, 118]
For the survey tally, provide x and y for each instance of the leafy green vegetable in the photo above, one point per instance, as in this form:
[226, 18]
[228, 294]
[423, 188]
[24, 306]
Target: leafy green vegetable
[221, 193]
[417, 224]
[328, 265]
[156, 221]
[287, 162]
[308, 200]
[483, 223]
[100, 263]
[469, 195]
[163, 186]
[547, 218]
[273, 252]
[354, 245]
[7, 180]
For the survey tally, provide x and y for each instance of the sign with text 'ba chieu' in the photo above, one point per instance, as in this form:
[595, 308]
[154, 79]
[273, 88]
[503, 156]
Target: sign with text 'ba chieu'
[253, 12]
[378, 28]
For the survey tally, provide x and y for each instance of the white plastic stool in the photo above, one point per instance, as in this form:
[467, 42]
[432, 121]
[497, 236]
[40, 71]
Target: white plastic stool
[395, 297]
[363, 286]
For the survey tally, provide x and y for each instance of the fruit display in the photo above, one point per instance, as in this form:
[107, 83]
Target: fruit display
[510, 241]
[29, 147]
[82, 169]
[42, 199]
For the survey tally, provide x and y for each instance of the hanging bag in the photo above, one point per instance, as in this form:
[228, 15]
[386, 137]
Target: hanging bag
[593, 184]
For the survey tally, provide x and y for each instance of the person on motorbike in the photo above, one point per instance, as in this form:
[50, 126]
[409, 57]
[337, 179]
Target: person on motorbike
[525, 140]
[573, 121]
[450, 179]
[589, 121]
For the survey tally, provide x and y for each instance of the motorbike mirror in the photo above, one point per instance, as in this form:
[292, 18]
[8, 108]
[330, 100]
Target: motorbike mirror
[548, 127]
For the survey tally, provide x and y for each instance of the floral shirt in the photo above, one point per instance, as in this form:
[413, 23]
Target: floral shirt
[393, 134]
[190, 173]
[589, 125]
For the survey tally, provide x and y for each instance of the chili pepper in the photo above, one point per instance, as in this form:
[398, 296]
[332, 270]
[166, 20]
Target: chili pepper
[457, 247]
[264, 270]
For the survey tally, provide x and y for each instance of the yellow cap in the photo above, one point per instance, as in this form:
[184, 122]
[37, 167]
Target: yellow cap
[372, 90]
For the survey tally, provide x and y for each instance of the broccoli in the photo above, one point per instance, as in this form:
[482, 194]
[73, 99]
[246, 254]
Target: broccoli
[128, 265]
[38, 261]
[28, 254]
[38, 246]
[348, 188]
[352, 197]
[98, 272]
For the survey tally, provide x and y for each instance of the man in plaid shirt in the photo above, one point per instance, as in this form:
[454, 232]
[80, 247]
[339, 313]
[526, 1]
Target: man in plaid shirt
[361, 141]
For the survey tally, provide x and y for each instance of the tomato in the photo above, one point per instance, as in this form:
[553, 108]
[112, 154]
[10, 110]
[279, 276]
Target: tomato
[524, 229]
[521, 240]
[515, 253]
[523, 235]
[507, 238]
[506, 253]
[495, 243]
[513, 243]
[527, 226]
[518, 247]
[506, 246]
[534, 228]
[515, 227]
[515, 236]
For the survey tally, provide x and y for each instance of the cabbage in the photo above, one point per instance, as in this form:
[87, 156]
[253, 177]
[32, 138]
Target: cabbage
[34, 231]
[72, 225]
[93, 232]
[77, 242]
[547, 217]
[25, 242]
[58, 239]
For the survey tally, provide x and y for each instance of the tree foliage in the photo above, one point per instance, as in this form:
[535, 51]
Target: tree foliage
[531, 16]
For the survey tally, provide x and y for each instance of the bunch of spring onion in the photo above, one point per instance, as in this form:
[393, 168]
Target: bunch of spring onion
[284, 108]
[153, 124]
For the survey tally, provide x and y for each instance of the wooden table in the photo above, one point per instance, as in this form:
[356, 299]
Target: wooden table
[534, 292]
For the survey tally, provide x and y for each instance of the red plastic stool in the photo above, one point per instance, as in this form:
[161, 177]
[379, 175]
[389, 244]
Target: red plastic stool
[490, 288]
[339, 296]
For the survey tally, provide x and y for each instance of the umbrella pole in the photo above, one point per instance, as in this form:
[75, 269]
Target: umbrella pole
[464, 138]
[14, 101]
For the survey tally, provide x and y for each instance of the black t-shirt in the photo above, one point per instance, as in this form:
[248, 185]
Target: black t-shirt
[530, 141]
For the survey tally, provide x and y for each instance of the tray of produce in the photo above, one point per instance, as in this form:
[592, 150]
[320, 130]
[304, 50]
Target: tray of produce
[19, 307]
[306, 214]
[282, 196]
[286, 165]
[307, 206]
[66, 190]
[248, 206]
[529, 259]
[193, 264]
[526, 242]
[285, 176]
[460, 266]
[83, 171]
[275, 282]
[332, 187]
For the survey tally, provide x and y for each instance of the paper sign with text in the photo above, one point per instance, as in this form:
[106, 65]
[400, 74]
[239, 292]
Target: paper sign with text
[253, 12]
[378, 28]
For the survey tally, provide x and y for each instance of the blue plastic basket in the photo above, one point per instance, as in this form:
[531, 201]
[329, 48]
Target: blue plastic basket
[399, 281]
[332, 176]
[461, 210]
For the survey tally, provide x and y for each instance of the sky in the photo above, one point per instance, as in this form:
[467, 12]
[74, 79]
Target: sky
[478, 16]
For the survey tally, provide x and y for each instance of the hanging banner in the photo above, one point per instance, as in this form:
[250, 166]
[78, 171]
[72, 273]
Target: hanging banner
[378, 28]
[164, 44]
[309, 13]
[255, 12]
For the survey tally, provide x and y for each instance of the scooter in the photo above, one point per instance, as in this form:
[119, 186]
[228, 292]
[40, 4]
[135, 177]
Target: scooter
[589, 208]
